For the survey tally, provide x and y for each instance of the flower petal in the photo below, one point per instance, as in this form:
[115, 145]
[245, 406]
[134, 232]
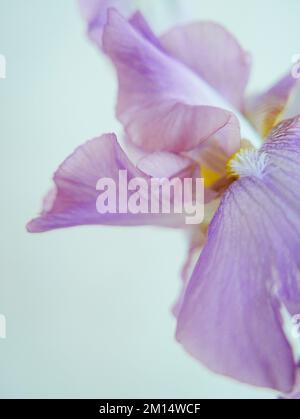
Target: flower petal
[264, 110]
[230, 316]
[214, 54]
[163, 105]
[73, 200]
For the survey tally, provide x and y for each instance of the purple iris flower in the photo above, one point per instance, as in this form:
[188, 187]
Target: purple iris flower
[182, 103]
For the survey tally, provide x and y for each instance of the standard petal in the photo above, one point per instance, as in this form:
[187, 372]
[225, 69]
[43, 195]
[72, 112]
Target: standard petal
[163, 104]
[138, 21]
[265, 110]
[95, 14]
[214, 54]
[73, 200]
[230, 317]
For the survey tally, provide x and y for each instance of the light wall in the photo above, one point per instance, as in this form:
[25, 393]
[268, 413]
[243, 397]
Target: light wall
[88, 309]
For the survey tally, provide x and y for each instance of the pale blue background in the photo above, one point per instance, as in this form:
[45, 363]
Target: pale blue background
[88, 309]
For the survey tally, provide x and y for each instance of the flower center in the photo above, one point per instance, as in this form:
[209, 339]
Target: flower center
[247, 162]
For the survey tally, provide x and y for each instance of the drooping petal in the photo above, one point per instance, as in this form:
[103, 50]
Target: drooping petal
[95, 14]
[73, 200]
[214, 54]
[196, 239]
[230, 317]
[265, 110]
[163, 105]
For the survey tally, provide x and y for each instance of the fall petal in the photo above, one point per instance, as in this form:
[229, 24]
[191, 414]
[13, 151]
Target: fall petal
[230, 317]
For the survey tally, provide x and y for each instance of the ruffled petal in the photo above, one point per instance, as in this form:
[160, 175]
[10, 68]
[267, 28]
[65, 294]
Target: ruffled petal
[266, 109]
[230, 317]
[73, 201]
[162, 104]
[214, 54]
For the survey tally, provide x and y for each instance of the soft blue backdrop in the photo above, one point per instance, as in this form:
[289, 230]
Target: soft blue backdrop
[88, 309]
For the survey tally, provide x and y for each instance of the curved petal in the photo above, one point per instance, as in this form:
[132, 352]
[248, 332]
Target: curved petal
[215, 152]
[265, 110]
[230, 315]
[164, 164]
[176, 127]
[162, 104]
[73, 200]
[214, 54]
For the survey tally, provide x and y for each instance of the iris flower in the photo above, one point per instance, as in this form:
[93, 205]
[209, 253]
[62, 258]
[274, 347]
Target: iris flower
[181, 100]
